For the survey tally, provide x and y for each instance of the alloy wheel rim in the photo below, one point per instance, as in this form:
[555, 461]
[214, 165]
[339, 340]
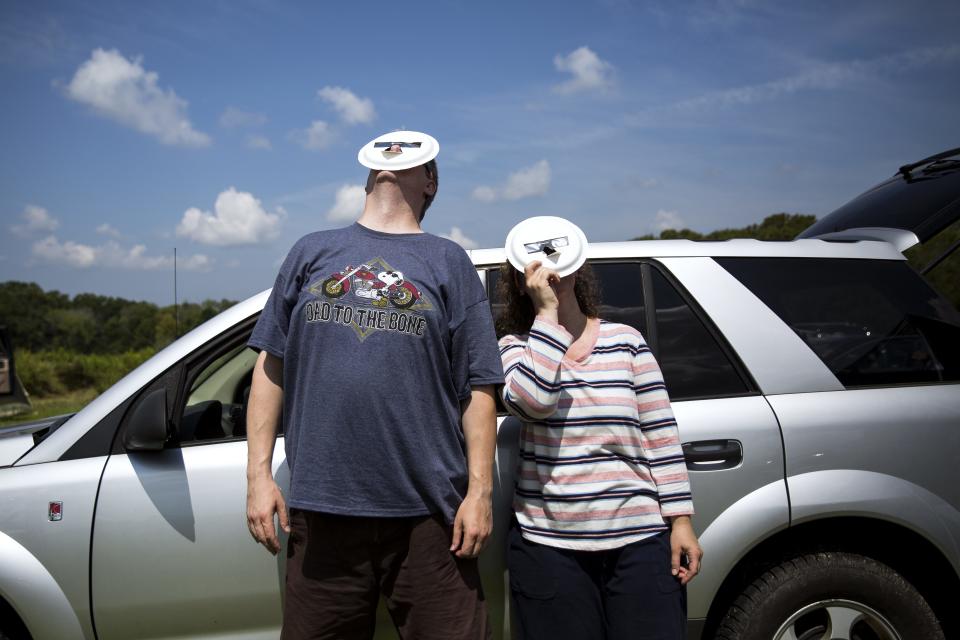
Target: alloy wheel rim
[836, 619]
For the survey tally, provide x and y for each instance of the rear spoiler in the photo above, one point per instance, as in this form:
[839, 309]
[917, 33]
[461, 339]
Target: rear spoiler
[899, 238]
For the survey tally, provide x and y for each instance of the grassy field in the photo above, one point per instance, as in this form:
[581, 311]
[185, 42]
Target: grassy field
[55, 405]
[62, 381]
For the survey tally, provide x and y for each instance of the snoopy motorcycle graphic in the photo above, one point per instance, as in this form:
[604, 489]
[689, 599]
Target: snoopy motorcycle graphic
[379, 288]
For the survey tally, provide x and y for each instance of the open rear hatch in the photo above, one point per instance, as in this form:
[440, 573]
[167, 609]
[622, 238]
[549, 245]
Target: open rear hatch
[917, 203]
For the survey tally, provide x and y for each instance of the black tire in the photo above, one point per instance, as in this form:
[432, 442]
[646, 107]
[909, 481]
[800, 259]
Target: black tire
[11, 627]
[853, 583]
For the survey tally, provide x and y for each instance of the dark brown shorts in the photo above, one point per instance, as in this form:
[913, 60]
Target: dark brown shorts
[338, 566]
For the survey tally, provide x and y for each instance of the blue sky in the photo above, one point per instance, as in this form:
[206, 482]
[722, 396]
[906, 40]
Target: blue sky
[230, 129]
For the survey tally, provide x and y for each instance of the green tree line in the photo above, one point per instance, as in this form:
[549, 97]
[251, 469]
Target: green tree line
[39, 320]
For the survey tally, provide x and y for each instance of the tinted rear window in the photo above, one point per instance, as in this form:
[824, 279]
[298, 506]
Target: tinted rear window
[873, 322]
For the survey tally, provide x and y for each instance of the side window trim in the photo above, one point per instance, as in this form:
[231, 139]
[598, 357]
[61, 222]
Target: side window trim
[752, 388]
[650, 309]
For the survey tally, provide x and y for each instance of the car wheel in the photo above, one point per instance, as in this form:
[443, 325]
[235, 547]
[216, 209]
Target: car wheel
[830, 595]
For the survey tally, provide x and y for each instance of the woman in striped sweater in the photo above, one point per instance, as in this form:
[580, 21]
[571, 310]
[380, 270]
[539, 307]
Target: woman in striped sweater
[603, 500]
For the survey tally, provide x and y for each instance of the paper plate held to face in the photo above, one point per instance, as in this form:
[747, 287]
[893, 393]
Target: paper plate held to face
[398, 150]
[556, 242]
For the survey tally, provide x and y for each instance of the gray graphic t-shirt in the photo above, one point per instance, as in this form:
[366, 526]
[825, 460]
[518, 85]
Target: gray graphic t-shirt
[382, 336]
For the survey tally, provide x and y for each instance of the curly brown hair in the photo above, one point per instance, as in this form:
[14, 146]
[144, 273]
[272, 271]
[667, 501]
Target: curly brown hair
[516, 310]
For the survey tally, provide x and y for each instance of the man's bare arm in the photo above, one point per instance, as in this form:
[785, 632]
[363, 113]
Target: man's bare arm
[474, 521]
[264, 409]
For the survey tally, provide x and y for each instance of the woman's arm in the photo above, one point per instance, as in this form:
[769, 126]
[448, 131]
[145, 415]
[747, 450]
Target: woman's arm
[661, 444]
[660, 437]
[531, 369]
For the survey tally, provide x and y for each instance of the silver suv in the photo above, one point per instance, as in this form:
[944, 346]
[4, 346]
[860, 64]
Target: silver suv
[816, 384]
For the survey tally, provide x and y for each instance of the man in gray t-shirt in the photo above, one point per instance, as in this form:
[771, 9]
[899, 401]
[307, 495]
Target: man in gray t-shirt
[377, 349]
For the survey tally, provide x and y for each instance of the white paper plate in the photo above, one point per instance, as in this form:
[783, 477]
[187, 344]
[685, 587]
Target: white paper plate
[556, 242]
[412, 149]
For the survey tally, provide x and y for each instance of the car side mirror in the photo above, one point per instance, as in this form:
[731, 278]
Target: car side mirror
[148, 428]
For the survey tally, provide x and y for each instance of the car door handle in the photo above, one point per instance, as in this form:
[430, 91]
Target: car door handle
[712, 455]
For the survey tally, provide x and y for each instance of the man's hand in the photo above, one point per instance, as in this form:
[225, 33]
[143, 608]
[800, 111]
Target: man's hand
[683, 541]
[472, 526]
[263, 415]
[264, 500]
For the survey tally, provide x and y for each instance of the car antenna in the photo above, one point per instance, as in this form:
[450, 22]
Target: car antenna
[176, 307]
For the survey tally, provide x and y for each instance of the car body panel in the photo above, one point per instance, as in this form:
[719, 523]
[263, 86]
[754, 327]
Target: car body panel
[18, 439]
[15, 443]
[171, 528]
[36, 596]
[62, 548]
[852, 492]
[881, 439]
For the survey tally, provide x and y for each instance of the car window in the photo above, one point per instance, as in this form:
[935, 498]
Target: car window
[873, 322]
[692, 361]
[216, 399]
[620, 288]
[621, 293]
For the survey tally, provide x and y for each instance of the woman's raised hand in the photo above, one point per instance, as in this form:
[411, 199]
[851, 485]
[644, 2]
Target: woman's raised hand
[538, 283]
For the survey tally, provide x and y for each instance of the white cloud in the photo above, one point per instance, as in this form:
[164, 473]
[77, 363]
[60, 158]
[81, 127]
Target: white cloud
[526, 183]
[108, 230]
[35, 219]
[111, 254]
[460, 238]
[352, 109]
[315, 137]
[349, 203]
[122, 90]
[668, 220]
[259, 142]
[233, 117]
[484, 194]
[588, 71]
[238, 218]
[70, 253]
[822, 77]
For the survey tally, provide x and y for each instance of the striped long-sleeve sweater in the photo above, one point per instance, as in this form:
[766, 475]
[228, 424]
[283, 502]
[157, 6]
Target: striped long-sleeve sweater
[600, 457]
